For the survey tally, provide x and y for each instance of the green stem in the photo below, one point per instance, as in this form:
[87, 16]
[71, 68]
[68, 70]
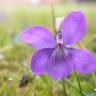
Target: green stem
[53, 18]
[49, 86]
[94, 78]
[64, 88]
[69, 83]
[79, 85]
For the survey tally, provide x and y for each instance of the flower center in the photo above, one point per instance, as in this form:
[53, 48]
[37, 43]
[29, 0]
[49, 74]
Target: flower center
[60, 54]
[59, 39]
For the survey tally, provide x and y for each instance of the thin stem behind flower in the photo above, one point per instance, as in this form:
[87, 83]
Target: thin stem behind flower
[53, 18]
[69, 83]
[64, 88]
[79, 85]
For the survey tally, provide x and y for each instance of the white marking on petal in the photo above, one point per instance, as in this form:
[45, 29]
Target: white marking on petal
[58, 22]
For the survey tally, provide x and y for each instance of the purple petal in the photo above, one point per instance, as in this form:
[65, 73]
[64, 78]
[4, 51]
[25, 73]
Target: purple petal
[58, 66]
[39, 61]
[59, 71]
[38, 37]
[73, 28]
[84, 61]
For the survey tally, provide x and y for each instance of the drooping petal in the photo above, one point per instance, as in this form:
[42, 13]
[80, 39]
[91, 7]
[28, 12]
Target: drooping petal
[73, 28]
[39, 61]
[38, 37]
[84, 61]
[58, 66]
[59, 71]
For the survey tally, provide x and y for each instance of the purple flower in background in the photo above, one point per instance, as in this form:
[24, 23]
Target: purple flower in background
[55, 55]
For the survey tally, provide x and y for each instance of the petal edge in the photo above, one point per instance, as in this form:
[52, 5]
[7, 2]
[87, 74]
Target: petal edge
[38, 37]
[39, 61]
[73, 28]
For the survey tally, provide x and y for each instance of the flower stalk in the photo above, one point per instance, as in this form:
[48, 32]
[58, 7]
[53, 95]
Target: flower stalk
[79, 84]
[69, 83]
[64, 88]
[53, 18]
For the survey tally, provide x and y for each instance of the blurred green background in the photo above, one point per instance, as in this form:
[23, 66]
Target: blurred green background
[15, 56]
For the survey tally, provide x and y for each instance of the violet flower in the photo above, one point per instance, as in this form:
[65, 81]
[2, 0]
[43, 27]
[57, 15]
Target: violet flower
[56, 56]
